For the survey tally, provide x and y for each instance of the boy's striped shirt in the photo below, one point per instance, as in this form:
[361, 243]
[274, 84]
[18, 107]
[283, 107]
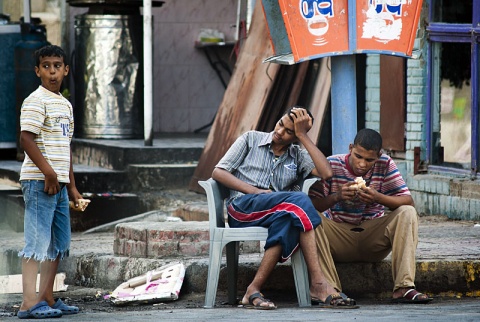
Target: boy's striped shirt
[383, 177]
[50, 117]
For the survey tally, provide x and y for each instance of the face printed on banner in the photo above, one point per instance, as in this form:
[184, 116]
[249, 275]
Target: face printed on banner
[317, 12]
[384, 20]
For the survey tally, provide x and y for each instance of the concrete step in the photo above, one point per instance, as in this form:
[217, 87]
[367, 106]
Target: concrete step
[146, 177]
[193, 211]
[118, 154]
[87, 178]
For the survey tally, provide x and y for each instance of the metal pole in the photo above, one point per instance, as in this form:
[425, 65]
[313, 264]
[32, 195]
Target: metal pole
[344, 103]
[344, 91]
[147, 72]
[26, 11]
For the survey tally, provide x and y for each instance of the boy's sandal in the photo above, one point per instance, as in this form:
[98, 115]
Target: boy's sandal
[412, 296]
[66, 309]
[41, 310]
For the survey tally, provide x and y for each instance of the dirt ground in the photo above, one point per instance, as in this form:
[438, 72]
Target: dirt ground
[94, 300]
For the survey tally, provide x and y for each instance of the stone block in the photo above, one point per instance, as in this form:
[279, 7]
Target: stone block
[192, 212]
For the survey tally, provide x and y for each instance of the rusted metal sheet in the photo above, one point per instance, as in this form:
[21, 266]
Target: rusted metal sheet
[320, 99]
[392, 102]
[283, 95]
[244, 97]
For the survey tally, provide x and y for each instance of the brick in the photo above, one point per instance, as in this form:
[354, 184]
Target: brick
[120, 231]
[193, 249]
[138, 234]
[159, 235]
[118, 247]
[192, 236]
[415, 89]
[162, 249]
[135, 248]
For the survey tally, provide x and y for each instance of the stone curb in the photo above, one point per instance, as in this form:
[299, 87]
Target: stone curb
[360, 280]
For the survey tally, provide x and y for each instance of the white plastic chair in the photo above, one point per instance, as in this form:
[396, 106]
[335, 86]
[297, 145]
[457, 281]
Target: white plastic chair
[221, 236]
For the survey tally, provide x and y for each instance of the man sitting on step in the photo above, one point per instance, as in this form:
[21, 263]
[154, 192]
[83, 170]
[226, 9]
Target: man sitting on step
[356, 226]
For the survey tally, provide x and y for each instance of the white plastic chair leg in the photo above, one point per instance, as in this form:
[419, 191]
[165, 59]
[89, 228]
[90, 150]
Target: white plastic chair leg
[213, 274]
[300, 275]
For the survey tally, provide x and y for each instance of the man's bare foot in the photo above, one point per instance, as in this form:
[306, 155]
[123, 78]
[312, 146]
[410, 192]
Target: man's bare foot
[257, 301]
[321, 290]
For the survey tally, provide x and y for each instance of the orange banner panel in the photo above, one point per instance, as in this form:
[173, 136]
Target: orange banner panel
[387, 25]
[316, 28]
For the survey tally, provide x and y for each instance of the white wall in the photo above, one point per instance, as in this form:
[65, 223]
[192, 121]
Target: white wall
[187, 91]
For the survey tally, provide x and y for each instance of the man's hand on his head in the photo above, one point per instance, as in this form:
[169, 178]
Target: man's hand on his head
[301, 120]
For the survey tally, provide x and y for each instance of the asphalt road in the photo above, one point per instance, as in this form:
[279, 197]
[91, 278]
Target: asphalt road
[189, 309]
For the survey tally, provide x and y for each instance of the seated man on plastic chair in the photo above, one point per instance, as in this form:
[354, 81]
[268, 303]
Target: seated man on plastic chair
[260, 169]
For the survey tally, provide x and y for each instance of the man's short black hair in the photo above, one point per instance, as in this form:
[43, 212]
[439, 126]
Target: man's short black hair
[369, 140]
[49, 51]
[297, 106]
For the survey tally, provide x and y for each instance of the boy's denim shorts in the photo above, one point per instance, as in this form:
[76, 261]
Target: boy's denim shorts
[47, 229]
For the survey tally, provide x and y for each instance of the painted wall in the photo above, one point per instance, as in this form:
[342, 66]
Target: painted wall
[187, 91]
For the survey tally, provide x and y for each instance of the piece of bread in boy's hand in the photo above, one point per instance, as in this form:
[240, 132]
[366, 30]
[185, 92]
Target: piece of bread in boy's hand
[359, 183]
[82, 204]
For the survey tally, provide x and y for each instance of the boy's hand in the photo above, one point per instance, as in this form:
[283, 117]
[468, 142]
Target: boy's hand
[76, 199]
[74, 195]
[81, 204]
[347, 192]
[52, 186]
[367, 195]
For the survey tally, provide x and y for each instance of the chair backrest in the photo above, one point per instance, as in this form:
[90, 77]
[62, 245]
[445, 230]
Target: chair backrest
[216, 195]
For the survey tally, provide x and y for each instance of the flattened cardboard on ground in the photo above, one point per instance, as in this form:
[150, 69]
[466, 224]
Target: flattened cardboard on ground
[244, 98]
[158, 285]
[11, 284]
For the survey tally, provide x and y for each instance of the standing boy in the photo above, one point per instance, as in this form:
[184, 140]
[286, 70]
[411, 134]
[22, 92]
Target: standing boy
[47, 182]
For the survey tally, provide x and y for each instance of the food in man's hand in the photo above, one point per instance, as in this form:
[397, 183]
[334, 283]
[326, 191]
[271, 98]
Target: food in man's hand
[359, 183]
[82, 204]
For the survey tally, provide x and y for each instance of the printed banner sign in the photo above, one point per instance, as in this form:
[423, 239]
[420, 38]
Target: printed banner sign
[387, 25]
[318, 28]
